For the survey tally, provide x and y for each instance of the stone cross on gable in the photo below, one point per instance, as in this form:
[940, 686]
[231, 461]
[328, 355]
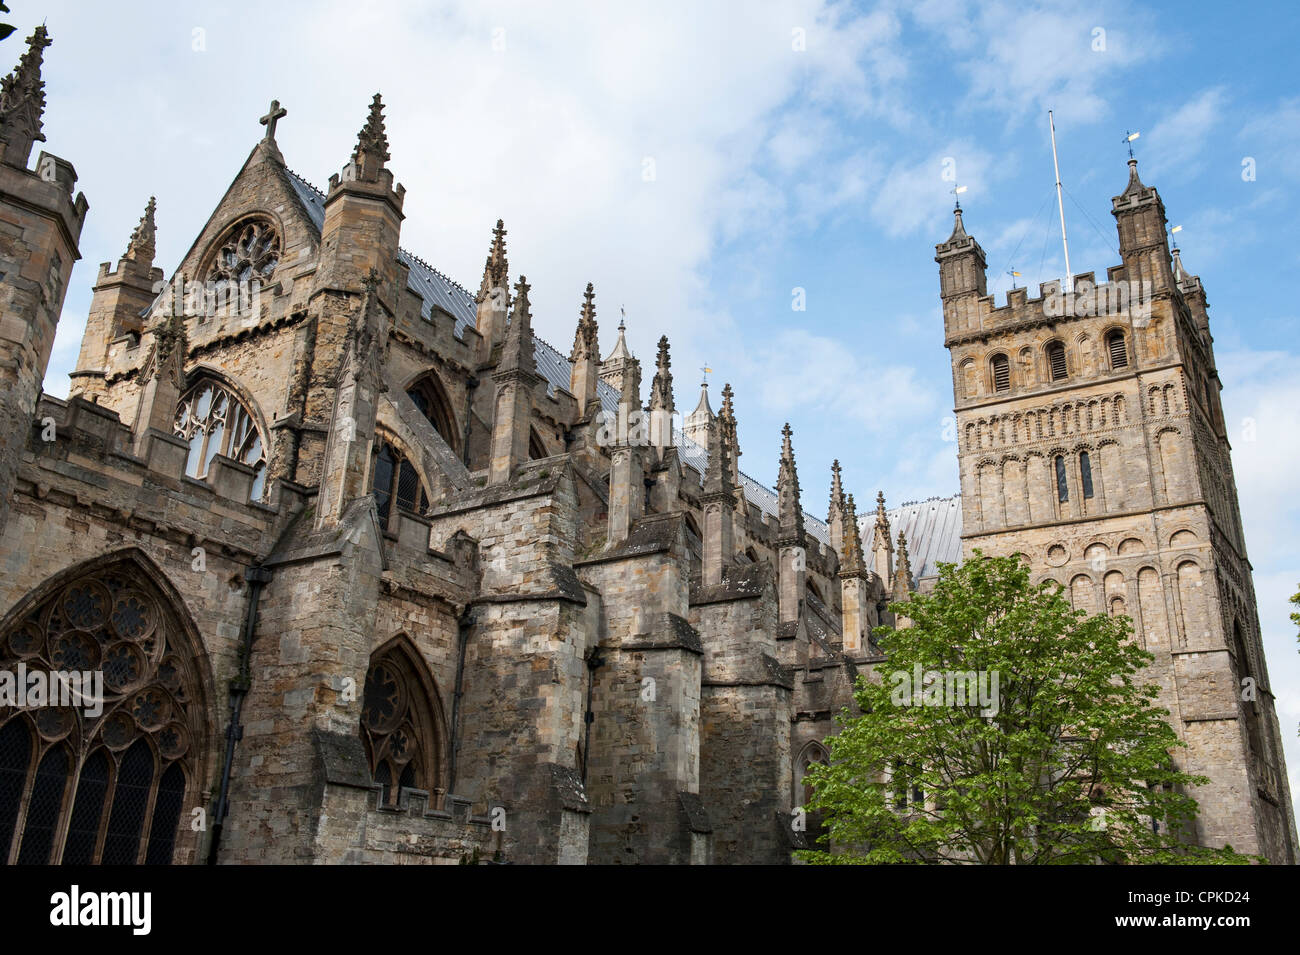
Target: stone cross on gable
[273, 116]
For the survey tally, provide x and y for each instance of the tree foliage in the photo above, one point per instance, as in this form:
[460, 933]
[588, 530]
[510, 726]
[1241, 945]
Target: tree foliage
[1069, 761]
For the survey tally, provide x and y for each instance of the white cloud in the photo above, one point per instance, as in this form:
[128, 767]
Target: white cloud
[1172, 147]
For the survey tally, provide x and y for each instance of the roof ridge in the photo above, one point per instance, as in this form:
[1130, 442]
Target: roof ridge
[305, 181]
[438, 272]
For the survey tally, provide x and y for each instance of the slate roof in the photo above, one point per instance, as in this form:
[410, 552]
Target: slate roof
[932, 528]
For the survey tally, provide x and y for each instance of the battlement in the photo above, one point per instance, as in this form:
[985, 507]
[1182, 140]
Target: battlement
[92, 438]
[1115, 298]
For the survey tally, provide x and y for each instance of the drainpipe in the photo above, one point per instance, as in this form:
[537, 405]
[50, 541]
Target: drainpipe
[594, 662]
[466, 625]
[257, 577]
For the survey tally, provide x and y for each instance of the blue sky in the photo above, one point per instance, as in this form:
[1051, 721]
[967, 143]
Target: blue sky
[792, 145]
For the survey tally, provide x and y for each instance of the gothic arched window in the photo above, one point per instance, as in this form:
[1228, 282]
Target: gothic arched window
[80, 786]
[400, 724]
[214, 422]
[396, 484]
[430, 397]
[1085, 473]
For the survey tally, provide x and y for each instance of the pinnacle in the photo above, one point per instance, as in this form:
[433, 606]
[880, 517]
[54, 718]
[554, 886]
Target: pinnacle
[141, 244]
[373, 140]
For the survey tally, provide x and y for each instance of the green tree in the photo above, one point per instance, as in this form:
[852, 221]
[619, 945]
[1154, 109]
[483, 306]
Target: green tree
[1064, 759]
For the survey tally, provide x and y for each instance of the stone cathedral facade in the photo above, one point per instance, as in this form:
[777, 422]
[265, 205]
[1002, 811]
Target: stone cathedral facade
[373, 574]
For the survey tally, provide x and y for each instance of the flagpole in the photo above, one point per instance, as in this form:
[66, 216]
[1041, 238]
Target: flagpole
[1060, 205]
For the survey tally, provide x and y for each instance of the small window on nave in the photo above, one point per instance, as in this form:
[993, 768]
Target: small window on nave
[395, 485]
[429, 396]
[214, 422]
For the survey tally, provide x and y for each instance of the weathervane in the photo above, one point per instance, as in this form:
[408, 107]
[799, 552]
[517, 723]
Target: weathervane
[707, 371]
[1128, 141]
[957, 191]
[1014, 275]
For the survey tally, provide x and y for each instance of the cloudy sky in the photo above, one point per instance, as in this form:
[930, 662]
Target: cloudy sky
[701, 162]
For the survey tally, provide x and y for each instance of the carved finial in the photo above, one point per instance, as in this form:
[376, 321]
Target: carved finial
[661, 387]
[882, 518]
[851, 560]
[902, 570]
[273, 116]
[22, 101]
[372, 141]
[496, 270]
[141, 246]
[789, 510]
[518, 352]
[585, 340]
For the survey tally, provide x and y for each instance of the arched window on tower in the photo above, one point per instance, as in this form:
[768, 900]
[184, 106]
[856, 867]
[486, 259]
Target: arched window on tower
[1085, 473]
[81, 787]
[1056, 361]
[1117, 348]
[1001, 373]
[395, 484]
[1062, 481]
[214, 421]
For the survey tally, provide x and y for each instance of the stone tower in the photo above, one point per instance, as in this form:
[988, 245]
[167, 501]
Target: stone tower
[40, 227]
[1091, 439]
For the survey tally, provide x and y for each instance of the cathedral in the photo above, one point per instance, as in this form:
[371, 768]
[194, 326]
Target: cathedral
[369, 573]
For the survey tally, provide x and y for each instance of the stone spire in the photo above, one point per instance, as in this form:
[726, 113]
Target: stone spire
[585, 343]
[661, 387]
[22, 102]
[903, 572]
[496, 270]
[958, 229]
[696, 425]
[493, 298]
[163, 377]
[857, 610]
[718, 466]
[789, 510]
[835, 517]
[586, 354]
[727, 418]
[613, 369]
[851, 559]
[141, 247]
[718, 502]
[519, 352]
[882, 546]
[372, 141]
[662, 407]
[515, 377]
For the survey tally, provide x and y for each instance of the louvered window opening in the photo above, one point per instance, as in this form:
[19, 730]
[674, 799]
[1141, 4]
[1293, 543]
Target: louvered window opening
[1118, 350]
[1056, 361]
[1001, 373]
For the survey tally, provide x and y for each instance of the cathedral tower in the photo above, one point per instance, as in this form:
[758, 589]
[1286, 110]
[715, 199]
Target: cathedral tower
[41, 225]
[1091, 440]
